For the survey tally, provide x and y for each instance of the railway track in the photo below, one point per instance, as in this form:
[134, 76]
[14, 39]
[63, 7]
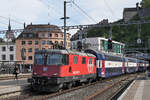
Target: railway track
[28, 95]
[113, 91]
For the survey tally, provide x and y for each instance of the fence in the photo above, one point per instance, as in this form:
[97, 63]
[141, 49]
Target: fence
[8, 68]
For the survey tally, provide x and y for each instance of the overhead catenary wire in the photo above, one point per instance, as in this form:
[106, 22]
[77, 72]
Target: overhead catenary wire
[57, 11]
[11, 20]
[84, 12]
[3, 23]
[112, 12]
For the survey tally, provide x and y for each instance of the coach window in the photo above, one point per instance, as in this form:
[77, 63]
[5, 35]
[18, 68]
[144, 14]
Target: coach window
[83, 60]
[75, 60]
[90, 61]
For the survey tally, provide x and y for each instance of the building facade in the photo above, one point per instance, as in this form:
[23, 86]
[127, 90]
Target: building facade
[7, 51]
[99, 44]
[8, 46]
[38, 37]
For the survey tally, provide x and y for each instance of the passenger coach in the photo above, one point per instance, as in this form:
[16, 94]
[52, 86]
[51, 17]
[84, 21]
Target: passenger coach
[108, 65]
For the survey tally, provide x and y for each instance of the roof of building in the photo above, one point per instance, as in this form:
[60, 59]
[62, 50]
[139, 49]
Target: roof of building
[31, 31]
[43, 27]
[129, 9]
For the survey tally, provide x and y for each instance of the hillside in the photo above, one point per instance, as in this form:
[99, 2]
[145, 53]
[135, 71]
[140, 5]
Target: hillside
[126, 34]
[145, 3]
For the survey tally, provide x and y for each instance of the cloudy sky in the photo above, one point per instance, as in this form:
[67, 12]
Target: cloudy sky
[44, 11]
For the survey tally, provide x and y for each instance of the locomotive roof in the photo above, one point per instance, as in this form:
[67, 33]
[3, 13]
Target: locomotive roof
[64, 52]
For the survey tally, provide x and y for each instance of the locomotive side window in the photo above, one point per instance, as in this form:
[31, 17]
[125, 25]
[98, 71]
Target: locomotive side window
[83, 60]
[65, 59]
[75, 60]
[90, 61]
[39, 59]
[57, 59]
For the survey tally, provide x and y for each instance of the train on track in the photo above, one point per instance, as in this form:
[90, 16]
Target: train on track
[58, 69]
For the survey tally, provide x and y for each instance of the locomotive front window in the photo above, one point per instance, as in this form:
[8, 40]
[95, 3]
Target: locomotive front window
[57, 59]
[39, 59]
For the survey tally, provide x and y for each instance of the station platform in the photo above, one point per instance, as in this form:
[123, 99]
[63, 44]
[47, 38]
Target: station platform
[138, 90]
[5, 75]
[12, 76]
[7, 86]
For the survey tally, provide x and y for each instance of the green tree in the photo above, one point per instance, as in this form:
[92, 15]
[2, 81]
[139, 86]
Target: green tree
[145, 3]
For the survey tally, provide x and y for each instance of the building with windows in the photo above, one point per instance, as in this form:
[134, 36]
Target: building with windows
[38, 37]
[7, 51]
[8, 46]
[99, 44]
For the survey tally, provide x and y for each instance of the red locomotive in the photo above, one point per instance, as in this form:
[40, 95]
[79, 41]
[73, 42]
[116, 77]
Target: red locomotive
[57, 69]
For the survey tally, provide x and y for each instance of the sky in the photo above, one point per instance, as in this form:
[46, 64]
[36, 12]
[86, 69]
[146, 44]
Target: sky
[50, 11]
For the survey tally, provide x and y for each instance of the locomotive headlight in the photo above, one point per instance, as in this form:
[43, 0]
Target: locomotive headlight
[34, 73]
[55, 74]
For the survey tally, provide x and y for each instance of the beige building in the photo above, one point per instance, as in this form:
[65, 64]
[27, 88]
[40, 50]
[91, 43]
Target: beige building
[38, 37]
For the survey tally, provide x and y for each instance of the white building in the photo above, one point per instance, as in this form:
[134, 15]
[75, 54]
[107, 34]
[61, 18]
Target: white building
[8, 47]
[98, 43]
[7, 51]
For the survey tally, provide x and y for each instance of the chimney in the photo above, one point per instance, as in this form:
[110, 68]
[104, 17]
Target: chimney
[137, 6]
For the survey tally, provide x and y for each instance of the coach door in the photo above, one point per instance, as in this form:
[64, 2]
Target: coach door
[137, 65]
[103, 68]
[123, 65]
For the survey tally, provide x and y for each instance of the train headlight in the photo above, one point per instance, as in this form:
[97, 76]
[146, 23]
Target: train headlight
[34, 73]
[55, 74]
